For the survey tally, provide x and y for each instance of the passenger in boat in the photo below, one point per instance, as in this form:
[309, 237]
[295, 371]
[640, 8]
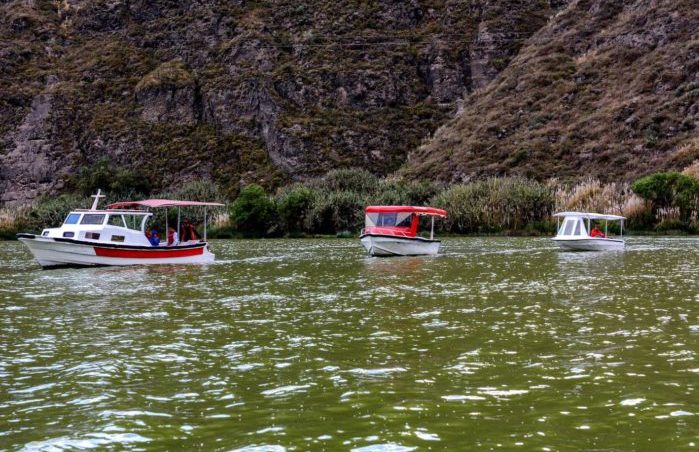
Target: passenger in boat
[149, 234]
[154, 238]
[597, 233]
[188, 231]
[172, 238]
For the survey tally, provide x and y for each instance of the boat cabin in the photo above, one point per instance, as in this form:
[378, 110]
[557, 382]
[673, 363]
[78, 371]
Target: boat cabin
[116, 226]
[578, 224]
[402, 221]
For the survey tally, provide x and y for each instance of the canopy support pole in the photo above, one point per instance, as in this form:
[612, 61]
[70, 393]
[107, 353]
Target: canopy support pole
[605, 227]
[588, 227]
[205, 223]
[166, 226]
[432, 230]
[179, 232]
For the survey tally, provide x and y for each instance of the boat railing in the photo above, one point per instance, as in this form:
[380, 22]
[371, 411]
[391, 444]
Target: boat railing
[387, 231]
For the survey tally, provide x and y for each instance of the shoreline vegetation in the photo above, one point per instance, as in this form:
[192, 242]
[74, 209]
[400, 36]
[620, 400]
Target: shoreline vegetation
[333, 205]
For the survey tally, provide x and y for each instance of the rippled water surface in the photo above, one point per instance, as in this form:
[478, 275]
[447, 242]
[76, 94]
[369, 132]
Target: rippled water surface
[310, 345]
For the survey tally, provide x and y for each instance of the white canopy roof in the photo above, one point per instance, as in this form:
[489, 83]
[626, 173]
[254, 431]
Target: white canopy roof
[590, 215]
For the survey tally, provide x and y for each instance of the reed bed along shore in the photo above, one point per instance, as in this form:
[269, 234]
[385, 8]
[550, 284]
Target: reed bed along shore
[334, 204]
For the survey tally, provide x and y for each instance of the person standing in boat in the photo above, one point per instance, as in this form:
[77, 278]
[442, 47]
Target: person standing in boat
[597, 233]
[188, 231]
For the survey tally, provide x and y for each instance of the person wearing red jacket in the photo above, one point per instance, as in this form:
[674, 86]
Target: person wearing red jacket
[597, 233]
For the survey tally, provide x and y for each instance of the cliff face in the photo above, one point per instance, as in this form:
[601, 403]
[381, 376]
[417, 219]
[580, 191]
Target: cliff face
[239, 91]
[608, 88]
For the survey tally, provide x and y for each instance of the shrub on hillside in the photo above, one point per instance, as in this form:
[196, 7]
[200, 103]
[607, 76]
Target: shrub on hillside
[669, 190]
[495, 204]
[294, 205]
[253, 213]
[403, 192]
[349, 180]
[337, 211]
[117, 181]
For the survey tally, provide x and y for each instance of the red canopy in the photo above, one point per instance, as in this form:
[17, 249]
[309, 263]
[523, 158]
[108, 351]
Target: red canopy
[407, 209]
[154, 203]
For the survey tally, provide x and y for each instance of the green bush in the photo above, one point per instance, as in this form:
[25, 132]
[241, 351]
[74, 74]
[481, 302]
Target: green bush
[253, 213]
[349, 180]
[495, 205]
[402, 192]
[666, 190]
[335, 212]
[117, 181]
[294, 205]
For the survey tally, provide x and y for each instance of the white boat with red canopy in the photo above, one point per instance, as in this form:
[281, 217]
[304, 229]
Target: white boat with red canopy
[115, 236]
[393, 231]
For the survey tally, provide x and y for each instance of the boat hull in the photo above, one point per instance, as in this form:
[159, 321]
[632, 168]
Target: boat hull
[386, 245]
[50, 252]
[590, 244]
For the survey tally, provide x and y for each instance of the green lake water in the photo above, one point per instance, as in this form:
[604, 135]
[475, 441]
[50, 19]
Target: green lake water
[310, 345]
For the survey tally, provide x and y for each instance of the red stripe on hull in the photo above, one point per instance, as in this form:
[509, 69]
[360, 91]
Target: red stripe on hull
[147, 254]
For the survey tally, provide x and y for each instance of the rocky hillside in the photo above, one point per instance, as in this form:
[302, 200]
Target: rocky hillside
[608, 88]
[243, 91]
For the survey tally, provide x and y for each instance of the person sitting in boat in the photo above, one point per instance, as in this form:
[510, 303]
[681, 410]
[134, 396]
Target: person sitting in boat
[149, 234]
[172, 238]
[154, 238]
[188, 231]
[597, 233]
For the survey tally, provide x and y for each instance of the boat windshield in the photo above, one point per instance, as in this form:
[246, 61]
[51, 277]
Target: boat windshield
[93, 218]
[135, 222]
[389, 219]
[72, 218]
[116, 220]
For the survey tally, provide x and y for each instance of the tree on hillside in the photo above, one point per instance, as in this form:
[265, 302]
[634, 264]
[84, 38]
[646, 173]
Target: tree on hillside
[667, 190]
[253, 212]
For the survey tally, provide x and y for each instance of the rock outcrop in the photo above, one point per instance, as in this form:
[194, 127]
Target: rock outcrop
[265, 91]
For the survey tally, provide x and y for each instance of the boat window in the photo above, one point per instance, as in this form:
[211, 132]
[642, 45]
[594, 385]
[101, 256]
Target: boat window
[133, 221]
[405, 222]
[92, 235]
[577, 227]
[387, 219]
[569, 226]
[561, 230]
[118, 238]
[72, 218]
[68, 234]
[92, 218]
[116, 220]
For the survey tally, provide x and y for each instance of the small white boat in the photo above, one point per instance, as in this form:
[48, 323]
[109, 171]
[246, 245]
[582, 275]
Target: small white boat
[393, 231]
[575, 233]
[115, 236]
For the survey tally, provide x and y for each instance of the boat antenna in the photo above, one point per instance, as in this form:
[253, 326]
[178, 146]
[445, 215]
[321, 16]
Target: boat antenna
[97, 199]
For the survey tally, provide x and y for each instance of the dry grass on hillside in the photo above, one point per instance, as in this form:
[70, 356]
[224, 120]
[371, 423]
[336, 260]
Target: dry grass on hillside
[607, 89]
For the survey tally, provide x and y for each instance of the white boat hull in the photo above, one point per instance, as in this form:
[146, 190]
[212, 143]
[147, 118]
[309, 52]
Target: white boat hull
[50, 252]
[384, 245]
[589, 244]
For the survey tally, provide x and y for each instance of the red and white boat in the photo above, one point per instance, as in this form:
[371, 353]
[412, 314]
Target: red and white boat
[393, 231]
[114, 236]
